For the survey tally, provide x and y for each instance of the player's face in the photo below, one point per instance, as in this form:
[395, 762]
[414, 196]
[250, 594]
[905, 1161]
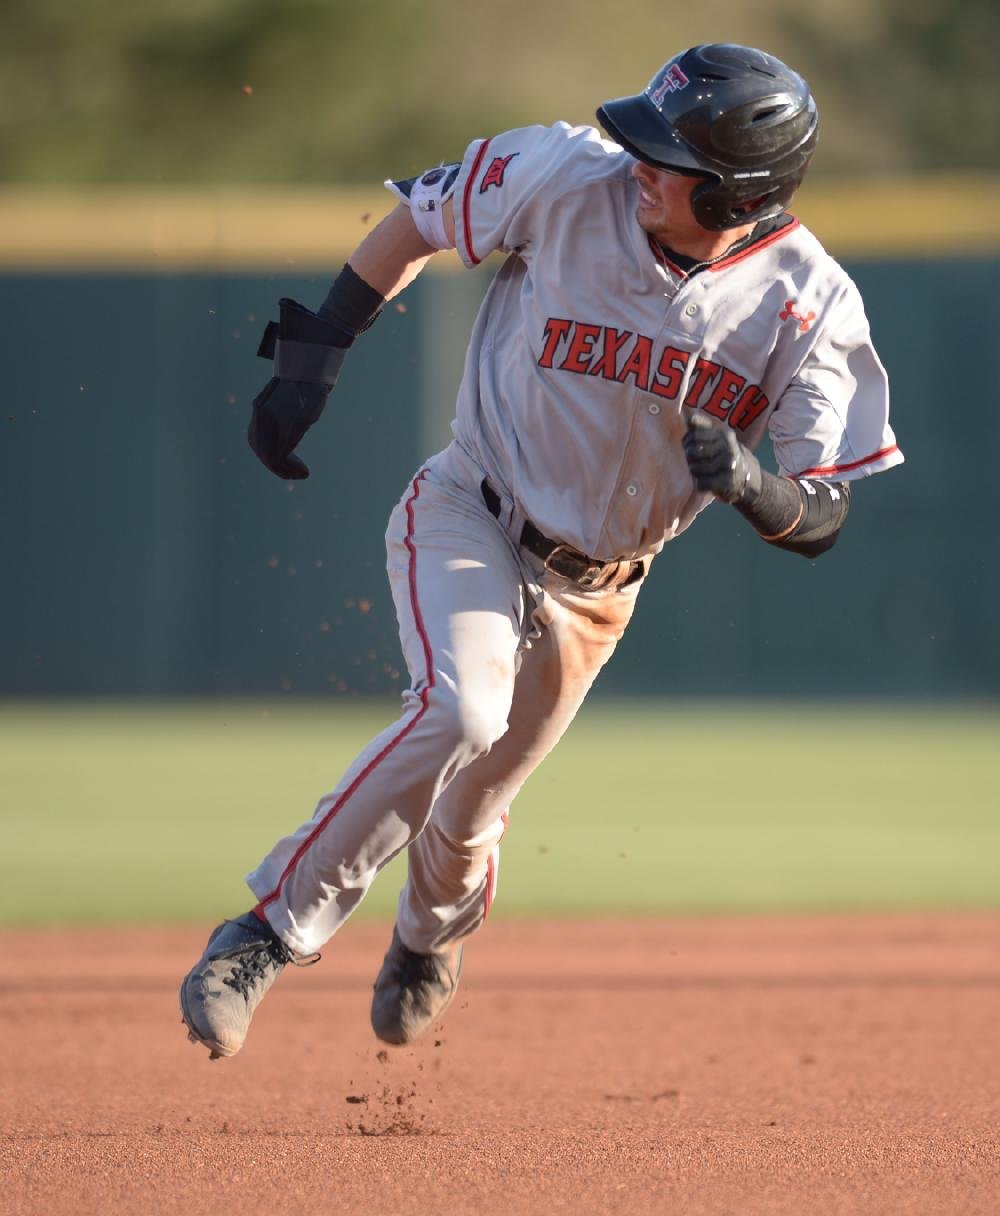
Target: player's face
[664, 209]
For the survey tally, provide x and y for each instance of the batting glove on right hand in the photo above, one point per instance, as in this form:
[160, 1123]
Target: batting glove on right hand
[308, 353]
[718, 462]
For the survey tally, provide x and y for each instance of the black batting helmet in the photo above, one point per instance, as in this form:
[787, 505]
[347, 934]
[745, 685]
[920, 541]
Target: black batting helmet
[731, 114]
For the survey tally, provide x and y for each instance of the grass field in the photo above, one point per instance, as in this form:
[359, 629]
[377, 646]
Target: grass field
[151, 812]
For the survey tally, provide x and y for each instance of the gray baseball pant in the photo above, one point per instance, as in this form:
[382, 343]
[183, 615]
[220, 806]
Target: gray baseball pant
[501, 654]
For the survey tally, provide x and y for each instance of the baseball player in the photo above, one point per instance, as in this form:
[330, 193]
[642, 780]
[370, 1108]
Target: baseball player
[658, 311]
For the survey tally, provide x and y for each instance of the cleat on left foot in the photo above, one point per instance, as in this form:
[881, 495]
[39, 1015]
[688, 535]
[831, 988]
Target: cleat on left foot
[218, 997]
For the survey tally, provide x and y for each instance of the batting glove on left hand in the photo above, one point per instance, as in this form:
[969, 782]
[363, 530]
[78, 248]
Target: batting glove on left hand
[719, 463]
[308, 352]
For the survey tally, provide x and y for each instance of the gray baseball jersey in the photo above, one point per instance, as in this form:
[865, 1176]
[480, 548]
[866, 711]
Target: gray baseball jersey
[590, 344]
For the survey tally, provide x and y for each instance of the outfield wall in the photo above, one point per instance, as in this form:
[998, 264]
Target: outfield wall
[146, 552]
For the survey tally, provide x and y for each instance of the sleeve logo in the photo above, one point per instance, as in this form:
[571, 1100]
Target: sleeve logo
[495, 173]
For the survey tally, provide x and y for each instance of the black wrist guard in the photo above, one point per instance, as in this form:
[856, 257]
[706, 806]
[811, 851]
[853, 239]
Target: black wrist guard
[351, 304]
[304, 347]
[802, 516]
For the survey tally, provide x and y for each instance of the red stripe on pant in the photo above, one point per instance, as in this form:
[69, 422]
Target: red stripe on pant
[491, 869]
[393, 743]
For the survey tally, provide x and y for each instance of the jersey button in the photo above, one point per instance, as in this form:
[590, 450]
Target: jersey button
[654, 408]
[691, 310]
[632, 490]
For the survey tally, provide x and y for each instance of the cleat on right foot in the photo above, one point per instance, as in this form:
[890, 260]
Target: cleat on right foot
[413, 990]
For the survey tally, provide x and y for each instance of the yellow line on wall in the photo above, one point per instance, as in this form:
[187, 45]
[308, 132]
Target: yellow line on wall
[306, 230]
[185, 230]
[899, 217]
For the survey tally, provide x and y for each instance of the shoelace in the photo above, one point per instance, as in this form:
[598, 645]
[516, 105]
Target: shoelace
[254, 964]
[257, 960]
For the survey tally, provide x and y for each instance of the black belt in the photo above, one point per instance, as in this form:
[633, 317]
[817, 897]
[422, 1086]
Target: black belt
[564, 560]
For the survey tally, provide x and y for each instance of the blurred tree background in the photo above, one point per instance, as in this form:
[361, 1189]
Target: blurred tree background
[328, 92]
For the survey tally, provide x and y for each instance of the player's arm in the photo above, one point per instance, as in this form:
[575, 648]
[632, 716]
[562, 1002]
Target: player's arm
[394, 253]
[796, 514]
[309, 348]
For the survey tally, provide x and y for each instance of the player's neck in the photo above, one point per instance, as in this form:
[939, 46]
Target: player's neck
[705, 246]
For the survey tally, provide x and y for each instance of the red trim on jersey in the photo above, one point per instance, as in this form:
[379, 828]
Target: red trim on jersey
[661, 257]
[854, 464]
[763, 243]
[369, 768]
[467, 199]
[756, 247]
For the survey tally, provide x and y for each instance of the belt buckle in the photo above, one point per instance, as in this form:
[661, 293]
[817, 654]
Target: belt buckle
[577, 568]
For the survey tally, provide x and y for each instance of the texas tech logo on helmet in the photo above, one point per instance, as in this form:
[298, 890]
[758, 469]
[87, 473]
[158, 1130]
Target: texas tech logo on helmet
[672, 81]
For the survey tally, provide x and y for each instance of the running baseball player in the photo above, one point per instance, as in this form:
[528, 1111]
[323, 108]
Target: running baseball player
[657, 312]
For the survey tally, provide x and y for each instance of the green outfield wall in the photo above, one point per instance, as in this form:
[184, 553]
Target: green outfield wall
[146, 552]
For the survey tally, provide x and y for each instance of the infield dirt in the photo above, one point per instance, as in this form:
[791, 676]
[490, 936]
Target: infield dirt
[762, 1065]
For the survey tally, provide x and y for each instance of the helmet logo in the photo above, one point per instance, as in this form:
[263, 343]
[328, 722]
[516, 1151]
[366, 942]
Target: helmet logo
[672, 81]
[804, 319]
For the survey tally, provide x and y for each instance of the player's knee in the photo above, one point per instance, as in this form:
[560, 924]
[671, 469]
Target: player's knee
[468, 725]
[469, 845]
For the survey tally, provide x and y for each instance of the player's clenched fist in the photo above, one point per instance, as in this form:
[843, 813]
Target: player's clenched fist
[282, 413]
[719, 463]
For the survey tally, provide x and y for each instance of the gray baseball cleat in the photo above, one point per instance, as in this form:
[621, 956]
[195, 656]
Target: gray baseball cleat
[219, 994]
[412, 990]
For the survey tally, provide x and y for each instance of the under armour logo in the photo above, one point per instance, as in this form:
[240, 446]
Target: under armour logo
[804, 320]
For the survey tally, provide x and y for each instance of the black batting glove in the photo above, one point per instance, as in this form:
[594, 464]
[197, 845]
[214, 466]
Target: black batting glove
[719, 463]
[308, 352]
